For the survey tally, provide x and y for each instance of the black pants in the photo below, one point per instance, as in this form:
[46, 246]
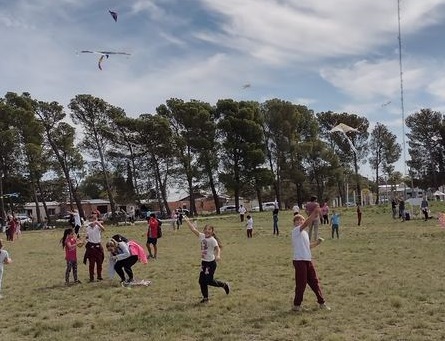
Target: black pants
[125, 264]
[425, 213]
[206, 278]
[76, 230]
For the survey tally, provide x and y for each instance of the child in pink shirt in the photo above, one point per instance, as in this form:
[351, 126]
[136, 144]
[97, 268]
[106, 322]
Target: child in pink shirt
[69, 243]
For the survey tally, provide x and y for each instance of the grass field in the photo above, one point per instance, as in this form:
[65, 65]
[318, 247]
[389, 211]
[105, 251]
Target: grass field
[383, 280]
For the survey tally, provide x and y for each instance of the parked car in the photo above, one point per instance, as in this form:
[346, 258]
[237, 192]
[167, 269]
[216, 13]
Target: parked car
[23, 218]
[227, 209]
[267, 206]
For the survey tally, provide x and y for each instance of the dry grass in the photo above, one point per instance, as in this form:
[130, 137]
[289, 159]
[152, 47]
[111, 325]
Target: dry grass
[384, 281]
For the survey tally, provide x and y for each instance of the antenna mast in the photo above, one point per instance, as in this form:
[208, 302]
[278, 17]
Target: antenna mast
[401, 87]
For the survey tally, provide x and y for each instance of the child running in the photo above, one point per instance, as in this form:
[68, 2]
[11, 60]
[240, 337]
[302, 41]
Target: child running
[69, 243]
[210, 253]
[4, 259]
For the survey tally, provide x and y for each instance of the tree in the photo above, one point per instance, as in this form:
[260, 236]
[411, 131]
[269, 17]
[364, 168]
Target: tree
[384, 150]
[243, 147]
[426, 147]
[93, 115]
[59, 136]
[348, 157]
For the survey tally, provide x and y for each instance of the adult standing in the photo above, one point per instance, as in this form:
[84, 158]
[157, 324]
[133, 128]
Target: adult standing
[324, 211]
[242, 211]
[152, 236]
[312, 206]
[424, 208]
[302, 260]
[359, 214]
[394, 208]
[402, 209]
[275, 221]
[94, 252]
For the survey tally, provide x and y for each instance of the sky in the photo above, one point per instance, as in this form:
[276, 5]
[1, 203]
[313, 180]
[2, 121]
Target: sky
[340, 55]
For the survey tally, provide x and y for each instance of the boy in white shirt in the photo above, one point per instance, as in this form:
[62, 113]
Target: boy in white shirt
[302, 260]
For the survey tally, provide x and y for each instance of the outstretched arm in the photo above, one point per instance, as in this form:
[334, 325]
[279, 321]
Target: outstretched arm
[191, 226]
[312, 217]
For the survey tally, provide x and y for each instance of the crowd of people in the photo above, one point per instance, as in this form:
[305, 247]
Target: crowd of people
[123, 254]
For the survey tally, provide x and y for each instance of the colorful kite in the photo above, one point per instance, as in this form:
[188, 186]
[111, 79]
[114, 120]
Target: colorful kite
[343, 128]
[114, 15]
[104, 54]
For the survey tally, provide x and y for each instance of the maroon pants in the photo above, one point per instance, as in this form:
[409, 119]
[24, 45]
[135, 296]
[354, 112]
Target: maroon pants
[95, 255]
[305, 274]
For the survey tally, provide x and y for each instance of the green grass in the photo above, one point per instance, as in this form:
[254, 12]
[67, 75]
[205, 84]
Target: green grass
[383, 280]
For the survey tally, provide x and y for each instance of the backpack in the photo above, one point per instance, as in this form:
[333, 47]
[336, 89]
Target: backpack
[159, 228]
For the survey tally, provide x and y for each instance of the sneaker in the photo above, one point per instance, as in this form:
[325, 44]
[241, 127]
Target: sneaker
[227, 288]
[91, 280]
[99, 279]
[204, 300]
[323, 306]
[296, 308]
[124, 284]
[77, 281]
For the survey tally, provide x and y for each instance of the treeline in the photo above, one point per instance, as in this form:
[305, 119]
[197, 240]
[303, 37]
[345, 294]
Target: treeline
[271, 150]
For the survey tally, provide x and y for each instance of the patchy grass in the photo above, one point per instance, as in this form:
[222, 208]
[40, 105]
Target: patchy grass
[383, 280]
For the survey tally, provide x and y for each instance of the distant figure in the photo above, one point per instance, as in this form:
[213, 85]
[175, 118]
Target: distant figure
[359, 214]
[311, 206]
[152, 235]
[275, 221]
[394, 208]
[242, 211]
[249, 226]
[77, 223]
[402, 209]
[424, 207]
[335, 223]
[324, 213]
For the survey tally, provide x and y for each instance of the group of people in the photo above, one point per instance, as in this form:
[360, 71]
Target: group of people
[123, 253]
[12, 227]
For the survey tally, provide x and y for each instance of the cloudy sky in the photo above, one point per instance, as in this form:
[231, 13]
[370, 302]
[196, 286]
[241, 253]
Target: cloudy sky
[337, 55]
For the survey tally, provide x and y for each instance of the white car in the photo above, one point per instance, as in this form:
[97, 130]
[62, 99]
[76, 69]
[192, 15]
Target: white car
[227, 208]
[23, 218]
[267, 206]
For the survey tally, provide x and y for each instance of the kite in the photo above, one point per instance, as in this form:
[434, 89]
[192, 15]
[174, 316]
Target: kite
[343, 128]
[245, 86]
[386, 103]
[114, 15]
[104, 54]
